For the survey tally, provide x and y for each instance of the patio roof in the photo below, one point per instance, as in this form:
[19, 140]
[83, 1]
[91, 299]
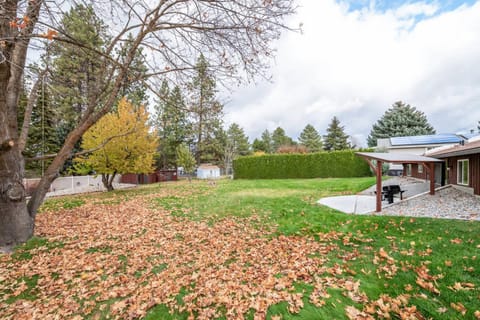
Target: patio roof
[382, 157]
[397, 157]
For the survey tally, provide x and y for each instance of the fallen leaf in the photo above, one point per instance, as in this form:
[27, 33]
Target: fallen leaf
[456, 241]
[459, 307]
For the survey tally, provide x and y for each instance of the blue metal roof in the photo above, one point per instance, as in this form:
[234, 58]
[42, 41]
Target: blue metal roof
[427, 139]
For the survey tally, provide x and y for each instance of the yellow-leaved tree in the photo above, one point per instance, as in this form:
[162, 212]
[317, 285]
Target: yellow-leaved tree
[122, 142]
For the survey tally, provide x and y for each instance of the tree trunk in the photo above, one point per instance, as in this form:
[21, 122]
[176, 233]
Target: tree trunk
[107, 180]
[16, 225]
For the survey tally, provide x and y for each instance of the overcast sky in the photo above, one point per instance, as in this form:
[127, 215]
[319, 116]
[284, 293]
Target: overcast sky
[356, 58]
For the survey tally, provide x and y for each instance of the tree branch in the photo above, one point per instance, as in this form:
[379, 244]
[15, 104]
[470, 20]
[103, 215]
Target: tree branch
[81, 153]
[6, 145]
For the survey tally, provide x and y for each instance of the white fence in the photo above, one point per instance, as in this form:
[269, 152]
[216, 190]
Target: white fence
[73, 184]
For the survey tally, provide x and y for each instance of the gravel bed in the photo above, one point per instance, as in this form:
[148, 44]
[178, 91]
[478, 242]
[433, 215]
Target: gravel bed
[447, 203]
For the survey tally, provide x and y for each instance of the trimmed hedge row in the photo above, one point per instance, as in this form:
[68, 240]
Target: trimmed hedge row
[337, 164]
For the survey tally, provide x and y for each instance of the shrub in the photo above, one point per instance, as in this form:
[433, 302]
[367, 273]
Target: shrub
[292, 149]
[337, 164]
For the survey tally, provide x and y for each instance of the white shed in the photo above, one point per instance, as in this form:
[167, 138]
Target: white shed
[208, 171]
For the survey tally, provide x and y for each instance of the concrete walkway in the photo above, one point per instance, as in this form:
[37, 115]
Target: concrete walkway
[358, 204]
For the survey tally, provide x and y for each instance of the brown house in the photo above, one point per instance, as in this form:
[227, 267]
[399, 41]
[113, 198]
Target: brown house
[462, 165]
[417, 170]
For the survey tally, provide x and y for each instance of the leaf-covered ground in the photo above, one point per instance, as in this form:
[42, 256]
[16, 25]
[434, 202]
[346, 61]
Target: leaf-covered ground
[238, 249]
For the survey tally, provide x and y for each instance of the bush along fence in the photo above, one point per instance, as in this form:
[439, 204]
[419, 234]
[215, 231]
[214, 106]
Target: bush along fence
[337, 164]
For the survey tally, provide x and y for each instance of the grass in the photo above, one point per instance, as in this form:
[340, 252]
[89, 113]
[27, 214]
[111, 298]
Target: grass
[385, 255]
[449, 248]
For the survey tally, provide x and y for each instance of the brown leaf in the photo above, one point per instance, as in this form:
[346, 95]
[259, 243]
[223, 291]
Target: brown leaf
[477, 314]
[427, 286]
[459, 307]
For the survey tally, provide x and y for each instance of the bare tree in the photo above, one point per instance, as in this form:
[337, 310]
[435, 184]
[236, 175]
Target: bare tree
[234, 36]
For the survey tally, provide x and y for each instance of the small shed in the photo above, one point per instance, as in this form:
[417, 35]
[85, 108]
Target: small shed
[208, 171]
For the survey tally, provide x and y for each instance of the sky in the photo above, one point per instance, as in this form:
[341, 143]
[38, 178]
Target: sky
[354, 59]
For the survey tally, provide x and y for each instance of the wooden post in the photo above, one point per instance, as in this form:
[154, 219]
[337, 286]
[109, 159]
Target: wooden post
[431, 166]
[378, 173]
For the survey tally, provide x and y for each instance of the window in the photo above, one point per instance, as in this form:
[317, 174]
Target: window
[409, 170]
[462, 172]
[420, 168]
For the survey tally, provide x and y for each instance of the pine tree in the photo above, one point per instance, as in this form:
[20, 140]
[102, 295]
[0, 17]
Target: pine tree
[236, 145]
[238, 140]
[336, 139]
[207, 113]
[258, 145]
[41, 137]
[134, 87]
[75, 71]
[172, 124]
[279, 139]
[311, 139]
[267, 142]
[398, 121]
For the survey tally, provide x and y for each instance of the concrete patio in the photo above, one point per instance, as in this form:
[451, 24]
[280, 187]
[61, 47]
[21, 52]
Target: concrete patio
[364, 202]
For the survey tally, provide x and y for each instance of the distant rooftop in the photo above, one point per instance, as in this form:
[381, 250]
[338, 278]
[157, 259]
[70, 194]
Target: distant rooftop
[426, 139]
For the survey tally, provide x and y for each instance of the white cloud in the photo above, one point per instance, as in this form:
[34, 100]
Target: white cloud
[356, 64]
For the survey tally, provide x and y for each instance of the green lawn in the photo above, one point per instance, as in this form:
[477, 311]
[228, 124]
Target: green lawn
[243, 248]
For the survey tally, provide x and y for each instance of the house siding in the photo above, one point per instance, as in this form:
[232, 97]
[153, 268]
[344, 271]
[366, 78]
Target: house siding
[419, 175]
[474, 171]
[424, 175]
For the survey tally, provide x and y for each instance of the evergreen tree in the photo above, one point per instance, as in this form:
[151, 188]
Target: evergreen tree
[238, 140]
[207, 113]
[41, 137]
[75, 71]
[398, 121]
[258, 145]
[311, 139]
[279, 138]
[267, 142]
[214, 143]
[236, 145]
[133, 87]
[336, 139]
[172, 124]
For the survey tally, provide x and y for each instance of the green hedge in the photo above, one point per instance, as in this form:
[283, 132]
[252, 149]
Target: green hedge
[336, 164]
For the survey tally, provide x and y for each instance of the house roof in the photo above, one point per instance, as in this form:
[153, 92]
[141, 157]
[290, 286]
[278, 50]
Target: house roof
[426, 139]
[397, 157]
[457, 150]
[208, 166]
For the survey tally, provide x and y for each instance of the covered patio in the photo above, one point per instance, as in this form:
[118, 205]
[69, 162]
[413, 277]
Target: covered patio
[377, 159]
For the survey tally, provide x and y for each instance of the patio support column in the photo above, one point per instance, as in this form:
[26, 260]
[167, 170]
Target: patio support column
[378, 173]
[431, 167]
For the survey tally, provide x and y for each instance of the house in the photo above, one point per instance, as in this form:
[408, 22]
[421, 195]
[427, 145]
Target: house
[417, 145]
[462, 164]
[208, 171]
